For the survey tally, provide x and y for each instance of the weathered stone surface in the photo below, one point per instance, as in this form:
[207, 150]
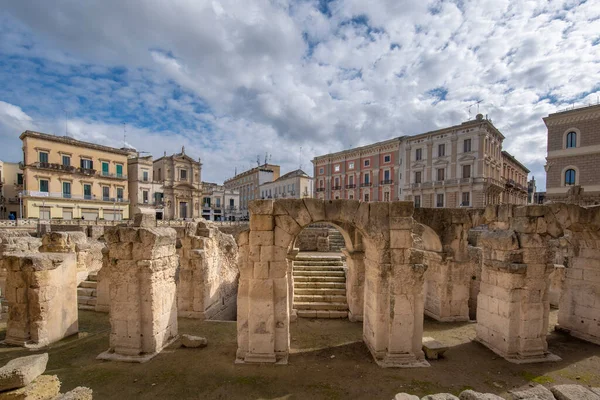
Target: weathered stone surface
[473, 395]
[22, 371]
[573, 392]
[433, 349]
[145, 218]
[193, 341]
[79, 393]
[537, 392]
[405, 396]
[440, 396]
[45, 387]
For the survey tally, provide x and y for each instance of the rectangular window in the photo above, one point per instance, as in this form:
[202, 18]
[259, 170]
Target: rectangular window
[366, 196]
[145, 176]
[87, 191]
[119, 171]
[321, 171]
[44, 185]
[387, 159]
[367, 163]
[105, 193]
[350, 197]
[43, 157]
[418, 177]
[218, 202]
[419, 154]
[440, 200]
[87, 164]
[351, 165]
[417, 201]
[119, 194]
[183, 177]
[386, 196]
[367, 179]
[467, 145]
[466, 199]
[66, 161]
[19, 179]
[466, 171]
[336, 168]
[66, 187]
[104, 168]
[386, 176]
[351, 180]
[145, 196]
[440, 174]
[231, 203]
[441, 150]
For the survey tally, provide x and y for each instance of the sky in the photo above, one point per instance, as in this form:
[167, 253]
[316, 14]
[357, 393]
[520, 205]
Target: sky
[233, 80]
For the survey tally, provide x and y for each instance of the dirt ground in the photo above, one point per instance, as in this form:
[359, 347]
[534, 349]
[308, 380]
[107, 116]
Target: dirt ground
[328, 361]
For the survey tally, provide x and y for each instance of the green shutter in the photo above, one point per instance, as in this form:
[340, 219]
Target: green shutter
[119, 170]
[105, 168]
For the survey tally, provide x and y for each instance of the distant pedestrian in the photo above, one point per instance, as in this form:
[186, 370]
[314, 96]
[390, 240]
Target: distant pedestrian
[11, 217]
[82, 217]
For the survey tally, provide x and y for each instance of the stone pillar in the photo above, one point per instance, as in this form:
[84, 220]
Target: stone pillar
[513, 303]
[41, 290]
[290, 276]
[447, 289]
[355, 283]
[143, 300]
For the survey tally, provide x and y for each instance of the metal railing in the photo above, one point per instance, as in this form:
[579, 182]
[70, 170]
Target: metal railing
[336, 188]
[321, 189]
[72, 169]
[69, 196]
[365, 184]
[387, 182]
[351, 186]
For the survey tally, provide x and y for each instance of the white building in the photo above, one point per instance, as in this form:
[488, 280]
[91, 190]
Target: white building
[219, 203]
[144, 191]
[293, 185]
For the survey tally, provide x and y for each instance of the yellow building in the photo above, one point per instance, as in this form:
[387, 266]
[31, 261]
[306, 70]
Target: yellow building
[69, 179]
[11, 183]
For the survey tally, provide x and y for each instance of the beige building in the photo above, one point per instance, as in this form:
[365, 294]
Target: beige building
[219, 203]
[144, 191]
[573, 156]
[68, 178]
[248, 183]
[514, 177]
[293, 185]
[11, 184]
[181, 179]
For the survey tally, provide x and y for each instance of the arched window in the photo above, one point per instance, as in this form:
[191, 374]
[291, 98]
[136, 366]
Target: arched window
[570, 177]
[571, 140]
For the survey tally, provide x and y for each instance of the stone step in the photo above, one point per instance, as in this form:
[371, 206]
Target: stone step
[318, 298]
[317, 257]
[86, 307]
[319, 285]
[319, 279]
[319, 273]
[93, 277]
[321, 291]
[88, 300]
[316, 268]
[89, 284]
[304, 263]
[314, 305]
[86, 292]
[322, 314]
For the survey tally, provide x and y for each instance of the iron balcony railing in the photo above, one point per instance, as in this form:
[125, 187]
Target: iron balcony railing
[336, 188]
[365, 184]
[70, 196]
[321, 189]
[387, 182]
[351, 186]
[72, 169]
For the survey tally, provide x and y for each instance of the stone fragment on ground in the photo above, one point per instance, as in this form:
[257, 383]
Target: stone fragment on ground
[405, 396]
[21, 371]
[193, 341]
[79, 393]
[45, 387]
[537, 392]
[473, 395]
[440, 396]
[573, 392]
[433, 349]
[596, 390]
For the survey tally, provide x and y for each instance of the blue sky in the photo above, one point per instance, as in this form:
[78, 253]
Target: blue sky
[232, 79]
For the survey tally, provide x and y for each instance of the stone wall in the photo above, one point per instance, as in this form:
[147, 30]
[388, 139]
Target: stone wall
[208, 272]
[308, 239]
[14, 241]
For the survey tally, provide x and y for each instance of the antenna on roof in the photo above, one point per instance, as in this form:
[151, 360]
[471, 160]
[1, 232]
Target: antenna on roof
[474, 104]
[300, 159]
[266, 158]
[258, 160]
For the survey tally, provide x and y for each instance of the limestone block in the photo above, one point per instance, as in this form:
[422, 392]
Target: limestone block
[573, 392]
[261, 238]
[473, 395]
[288, 224]
[537, 392]
[57, 242]
[22, 371]
[261, 207]
[405, 396]
[500, 240]
[531, 240]
[401, 209]
[400, 239]
[440, 396]
[190, 341]
[243, 238]
[596, 390]
[433, 349]
[524, 224]
[401, 223]
[316, 208]
[261, 222]
[79, 393]
[282, 238]
[295, 209]
[348, 210]
[145, 218]
[45, 387]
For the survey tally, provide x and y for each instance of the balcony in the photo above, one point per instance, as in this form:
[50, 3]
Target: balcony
[69, 196]
[387, 182]
[415, 185]
[321, 189]
[365, 184]
[109, 175]
[336, 188]
[352, 186]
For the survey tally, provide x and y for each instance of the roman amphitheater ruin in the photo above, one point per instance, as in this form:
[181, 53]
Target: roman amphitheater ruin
[502, 266]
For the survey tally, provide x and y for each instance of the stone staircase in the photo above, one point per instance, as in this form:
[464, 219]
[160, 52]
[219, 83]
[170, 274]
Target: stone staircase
[86, 293]
[336, 240]
[320, 287]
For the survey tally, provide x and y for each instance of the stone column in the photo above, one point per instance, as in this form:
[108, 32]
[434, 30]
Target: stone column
[143, 299]
[290, 276]
[355, 283]
[41, 290]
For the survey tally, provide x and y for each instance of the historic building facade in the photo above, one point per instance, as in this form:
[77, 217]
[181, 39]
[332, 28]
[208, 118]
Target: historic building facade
[219, 203]
[145, 192]
[11, 184]
[293, 185]
[573, 156]
[458, 166]
[181, 179]
[368, 173]
[514, 177]
[248, 183]
[68, 178]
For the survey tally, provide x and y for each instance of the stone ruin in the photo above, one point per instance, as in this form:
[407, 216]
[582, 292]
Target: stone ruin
[494, 264]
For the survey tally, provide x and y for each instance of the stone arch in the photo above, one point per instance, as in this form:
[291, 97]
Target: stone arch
[393, 300]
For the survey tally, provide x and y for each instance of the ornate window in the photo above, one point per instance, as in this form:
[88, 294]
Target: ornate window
[570, 176]
[571, 140]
